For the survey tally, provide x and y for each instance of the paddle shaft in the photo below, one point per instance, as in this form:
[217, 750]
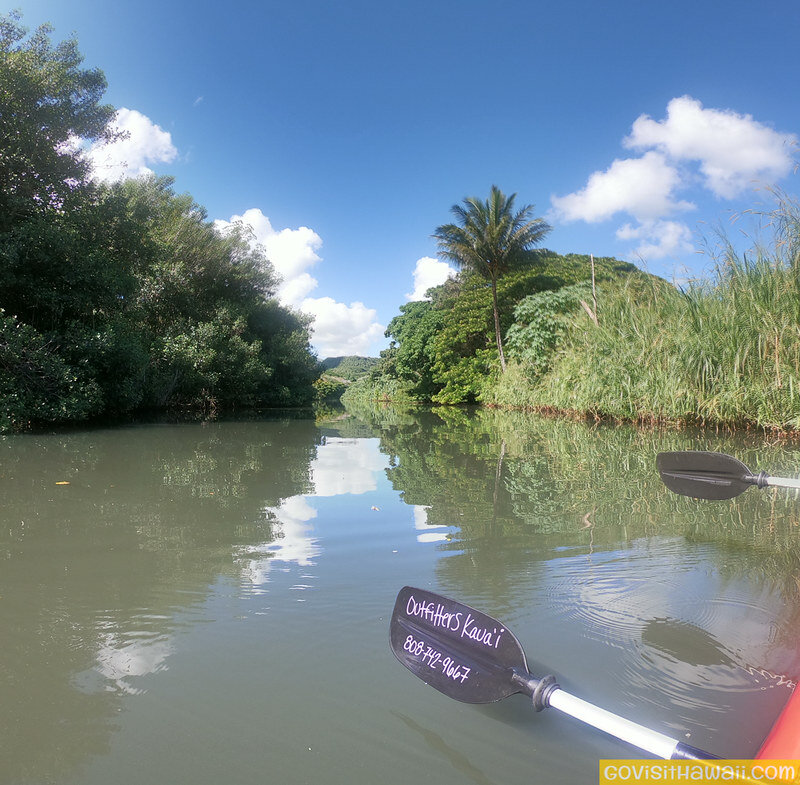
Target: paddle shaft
[782, 482]
[651, 741]
[545, 692]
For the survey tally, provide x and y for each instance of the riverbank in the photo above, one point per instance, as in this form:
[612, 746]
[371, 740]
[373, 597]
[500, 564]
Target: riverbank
[722, 353]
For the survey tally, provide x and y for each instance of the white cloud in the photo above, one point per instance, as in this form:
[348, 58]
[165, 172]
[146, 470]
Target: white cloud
[340, 329]
[660, 238]
[429, 272]
[337, 329]
[292, 252]
[732, 149]
[643, 187]
[717, 149]
[292, 291]
[144, 143]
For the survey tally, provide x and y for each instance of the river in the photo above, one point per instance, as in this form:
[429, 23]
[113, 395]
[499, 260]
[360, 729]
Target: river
[209, 602]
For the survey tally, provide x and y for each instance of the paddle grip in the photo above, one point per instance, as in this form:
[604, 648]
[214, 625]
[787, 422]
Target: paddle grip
[539, 689]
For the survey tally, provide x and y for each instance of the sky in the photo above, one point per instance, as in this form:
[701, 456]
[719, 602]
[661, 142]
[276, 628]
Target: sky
[343, 133]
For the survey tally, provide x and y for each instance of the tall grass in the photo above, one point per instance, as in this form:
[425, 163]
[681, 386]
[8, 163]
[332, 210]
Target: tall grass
[723, 351]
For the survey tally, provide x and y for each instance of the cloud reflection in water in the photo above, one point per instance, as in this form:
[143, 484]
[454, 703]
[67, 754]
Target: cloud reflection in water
[341, 466]
[425, 529]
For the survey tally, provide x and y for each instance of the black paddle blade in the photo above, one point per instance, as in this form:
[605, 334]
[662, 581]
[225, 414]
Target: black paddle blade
[704, 475]
[461, 652]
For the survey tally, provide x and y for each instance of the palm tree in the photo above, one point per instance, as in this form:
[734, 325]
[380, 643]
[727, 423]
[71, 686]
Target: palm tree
[490, 239]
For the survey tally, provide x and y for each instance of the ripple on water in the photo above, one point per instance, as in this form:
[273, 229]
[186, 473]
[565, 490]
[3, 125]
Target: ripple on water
[687, 638]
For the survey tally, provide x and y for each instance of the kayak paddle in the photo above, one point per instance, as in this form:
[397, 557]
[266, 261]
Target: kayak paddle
[712, 475]
[473, 658]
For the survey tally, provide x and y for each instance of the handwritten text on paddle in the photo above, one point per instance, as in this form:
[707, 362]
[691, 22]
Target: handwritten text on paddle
[447, 665]
[437, 615]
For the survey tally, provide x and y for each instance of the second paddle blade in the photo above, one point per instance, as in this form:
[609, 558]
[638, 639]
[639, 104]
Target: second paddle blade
[704, 475]
[456, 649]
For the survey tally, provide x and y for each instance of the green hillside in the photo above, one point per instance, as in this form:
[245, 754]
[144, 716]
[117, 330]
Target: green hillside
[350, 367]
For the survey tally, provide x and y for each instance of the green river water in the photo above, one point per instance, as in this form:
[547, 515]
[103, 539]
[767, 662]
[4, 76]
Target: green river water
[209, 602]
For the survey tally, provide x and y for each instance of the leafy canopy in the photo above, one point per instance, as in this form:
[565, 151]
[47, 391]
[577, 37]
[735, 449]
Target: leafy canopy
[114, 298]
[47, 103]
[489, 238]
[442, 350]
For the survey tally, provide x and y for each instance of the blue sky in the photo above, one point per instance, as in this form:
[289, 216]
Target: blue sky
[344, 132]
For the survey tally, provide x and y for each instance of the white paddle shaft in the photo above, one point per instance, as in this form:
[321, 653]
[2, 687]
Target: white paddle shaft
[645, 739]
[783, 482]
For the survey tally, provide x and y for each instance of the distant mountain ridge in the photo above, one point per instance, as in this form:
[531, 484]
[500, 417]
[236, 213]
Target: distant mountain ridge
[349, 367]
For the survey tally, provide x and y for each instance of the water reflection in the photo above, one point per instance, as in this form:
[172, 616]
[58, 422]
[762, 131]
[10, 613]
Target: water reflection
[680, 640]
[429, 532]
[346, 466]
[498, 476]
[144, 577]
[341, 466]
[99, 576]
[121, 658]
[694, 645]
[441, 748]
[567, 529]
[294, 542]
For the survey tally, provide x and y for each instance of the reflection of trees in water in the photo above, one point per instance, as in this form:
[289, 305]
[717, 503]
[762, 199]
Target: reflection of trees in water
[150, 518]
[519, 482]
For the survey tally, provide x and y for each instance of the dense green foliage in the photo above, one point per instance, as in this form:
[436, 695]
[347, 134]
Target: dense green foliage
[443, 350]
[122, 297]
[328, 390]
[46, 101]
[489, 239]
[539, 322]
[722, 351]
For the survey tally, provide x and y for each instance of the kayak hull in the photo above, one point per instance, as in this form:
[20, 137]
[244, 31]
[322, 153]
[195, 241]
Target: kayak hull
[783, 741]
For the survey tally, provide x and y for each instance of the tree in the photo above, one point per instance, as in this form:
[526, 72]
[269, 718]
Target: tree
[412, 334]
[47, 102]
[206, 299]
[490, 239]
